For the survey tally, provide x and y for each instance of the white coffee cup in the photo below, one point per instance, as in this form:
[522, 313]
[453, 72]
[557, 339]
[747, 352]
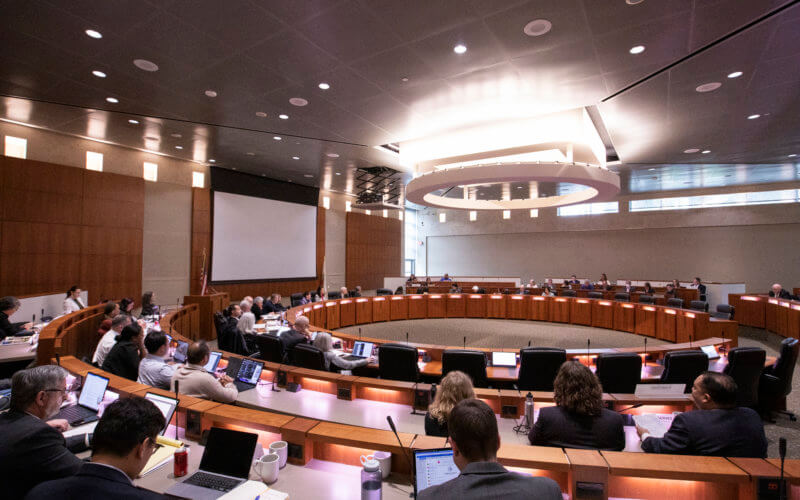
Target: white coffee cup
[280, 448]
[384, 458]
[267, 467]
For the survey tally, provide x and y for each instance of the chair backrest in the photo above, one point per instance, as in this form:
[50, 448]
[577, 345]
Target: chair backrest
[526, 291]
[269, 348]
[725, 311]
[675, 302]
[538, 367]
[682, 367]
[224, 340]
[699, 305]
[595, 295]
[784, 367]
[473, 363]
[619, 372]
[334, 295]
[481, 291]
[398, 362]
[745, 365]
[295, 299]
[622, 297]
[569, 293]
[308, 356]
[383, 291]
[646, 299]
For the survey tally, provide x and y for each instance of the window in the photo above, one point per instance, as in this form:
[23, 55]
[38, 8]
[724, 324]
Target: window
[611, 207]
[94, 161]
[326, 202]
[150, 171]
[410, 226]
[198, 179]
[348, 206]
[442, 217]
[16, 147]
[534, 212]
[473, 215]
[717, 200]
[506, 214]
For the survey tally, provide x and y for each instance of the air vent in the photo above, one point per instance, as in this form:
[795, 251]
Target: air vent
[392, 148]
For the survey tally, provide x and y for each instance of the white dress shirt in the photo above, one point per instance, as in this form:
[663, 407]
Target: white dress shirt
[154, 370]
[104, 347]
[71, 305]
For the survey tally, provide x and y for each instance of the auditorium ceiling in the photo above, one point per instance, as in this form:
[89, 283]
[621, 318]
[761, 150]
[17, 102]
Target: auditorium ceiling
[218, 82]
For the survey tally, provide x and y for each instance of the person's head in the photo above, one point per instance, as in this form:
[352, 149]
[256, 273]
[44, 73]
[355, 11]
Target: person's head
[126, 305]
[577, 389]
[248, 299]
[647, 285]
[125, 436]
[696, 280]
[446, 275]
[454, 387]
[244, 306]
[670, 287]
[275, 298]
[111, 309]
[399, 290]
[156, 343]
[550, 281]
[9, 305]
[603, 277]
[119, 322]
[358, 288]
[147, 299]
[628, 282]
[323, 341]
[301, 323]
[74, 292]
[587, 282]
[532, 281]
[233, 311]
[776, 288]
[573, 277]
[198, 353]
[343, 291]
[307, 295]
[676, 283]
[132, 332]
[428, 279]
[473, 433]
[714, 390]
[260, 300]
[39, 391]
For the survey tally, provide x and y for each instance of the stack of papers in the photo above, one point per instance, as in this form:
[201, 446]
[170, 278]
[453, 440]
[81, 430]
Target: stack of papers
[254, 489]
[162, 455]
[657, 424]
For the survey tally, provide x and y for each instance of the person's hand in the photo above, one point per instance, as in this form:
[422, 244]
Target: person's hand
[641, 430]
[142, 323]
[27, 326]
[224, 379]
[59, 424]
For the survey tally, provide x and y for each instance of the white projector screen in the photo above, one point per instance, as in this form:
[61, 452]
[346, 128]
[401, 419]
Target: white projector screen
[260, 239]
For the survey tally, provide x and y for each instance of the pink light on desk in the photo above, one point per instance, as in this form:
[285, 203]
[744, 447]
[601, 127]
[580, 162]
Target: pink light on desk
[496, 296]
[561, 300]
[306, 309]
[670, 311]
[416, 297]
[475, 296]
[785, 304]
[379, 299]
[750, 298]
[434, 296]
[397, 297]
[689, 315]
[627, 306]
[329, 304]
[538, 298]
[604, 303]
[649, 308]
[517, 297]
[346, 301]
[362, 300]
[796, 307]
[583, 301]
[455, 295]
[317, 306]
[773, 301]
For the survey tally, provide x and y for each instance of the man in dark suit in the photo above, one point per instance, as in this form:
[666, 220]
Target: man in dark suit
[701, 288]
[258, 308]
[717, 428]
[778, 291]
[124, 440]
[273, 305]
[8, 306]
[300, 333]
[31, 451]
[473, 434]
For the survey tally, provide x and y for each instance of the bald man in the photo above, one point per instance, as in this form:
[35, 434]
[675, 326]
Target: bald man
[778, 291]
[300, 333]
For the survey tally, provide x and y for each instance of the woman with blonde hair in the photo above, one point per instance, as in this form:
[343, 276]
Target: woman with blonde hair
[455, 386]
[324, 343]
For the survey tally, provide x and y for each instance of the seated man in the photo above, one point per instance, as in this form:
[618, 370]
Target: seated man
[343, 292]
[258, 308]
[454, 288]
[717, 428]
[273, 305]
[153, 369]
[475, 440]
[778, 291]
[194, 380]
[629, 288]
[299, 333]
[355, 293]
[573, 280]
[531, 283]
[107, 341]
[8, 306]
[669, 292]
[124, 440]
[31, 450]
[587, 285]
[246, 320]
[446, 277]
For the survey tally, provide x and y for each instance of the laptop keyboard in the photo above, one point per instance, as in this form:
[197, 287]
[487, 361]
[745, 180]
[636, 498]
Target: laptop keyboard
[351, 357]
[212, 481]
[74, 413]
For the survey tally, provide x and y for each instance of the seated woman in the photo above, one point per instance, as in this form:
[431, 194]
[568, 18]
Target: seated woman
[648, 289]
[148, 304]
[324, 343]
[123, 359]
[578, 420]
[110, 310]
[454, 387]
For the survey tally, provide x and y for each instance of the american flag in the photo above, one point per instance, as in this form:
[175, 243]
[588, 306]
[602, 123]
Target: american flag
[203, 275]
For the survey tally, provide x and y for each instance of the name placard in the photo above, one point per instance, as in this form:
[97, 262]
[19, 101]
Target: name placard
[659, 391]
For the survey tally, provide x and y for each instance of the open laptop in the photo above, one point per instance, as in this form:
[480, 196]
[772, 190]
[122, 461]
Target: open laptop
[180, 351]
[361, 350]
[92, 394]
[711, 351]
[225, 465]
[166, 404]
[213, 361]
[508, 359]
[244, 372]
[432, 467]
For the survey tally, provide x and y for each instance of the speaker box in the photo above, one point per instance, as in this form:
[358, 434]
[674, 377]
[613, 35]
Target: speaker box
[194, 424]
[293, 387]
[344, 393]
[282, 375]
[509, 411]
[422, 398]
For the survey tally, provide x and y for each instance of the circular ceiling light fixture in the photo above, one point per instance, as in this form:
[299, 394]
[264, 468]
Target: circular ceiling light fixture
[283, 117]
[261, 114]
[298, 101]
[98, 73]
[735, 74]
[633, 2]
[112, 100]
[460, 48]
[692, 150]
[133, 122]
[708, 87]
[145, 65]
[94, 34]
[339, 173]
[636, 49]
[324, 86]
[295, 157]
[753, 117]
[212, 160]
[178, 147]
[249, 153]
[277, 137]
[537, 27]
[177, 136]
[308, 176]
[210, 93]
[706, 151]
[792, 155]
[600, 184]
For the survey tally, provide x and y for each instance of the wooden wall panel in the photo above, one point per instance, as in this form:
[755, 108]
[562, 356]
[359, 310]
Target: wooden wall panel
[373, 250]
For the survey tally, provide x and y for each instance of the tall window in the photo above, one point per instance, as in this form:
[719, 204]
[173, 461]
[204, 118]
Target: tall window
[411, 246]
[716, 200]
[611, 207]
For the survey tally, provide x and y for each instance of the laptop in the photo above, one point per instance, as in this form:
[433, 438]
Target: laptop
[432, 467]
[508, 359]
[360, 350]
[92, 394]
[166, 404]
[226, 463]
[180, 351]
[244, 372]
[711, 351]
[213, 361]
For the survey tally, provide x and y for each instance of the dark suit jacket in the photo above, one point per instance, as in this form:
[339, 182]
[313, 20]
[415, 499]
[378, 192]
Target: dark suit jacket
[270, 307]
[7, 328]
[434, 428]
[31, 452]
[558, 427]
[123, 360]
[734, 432]
[289, 340]
[782, 295]
[92, 482]
[491, 481]
[257, 311]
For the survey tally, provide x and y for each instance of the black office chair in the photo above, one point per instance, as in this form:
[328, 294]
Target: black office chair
[526, 291]
[569, 293]
[269, 348]
[538, 367]
[698, 305]
[398, 362]
[646, 299]
[481, 291]
[725, 311]
[295, 299]
[776, 381]
[473, 363]
[308, 356]
[682, 367]
[383, 291]
[334, 295]
[619, 372]
[622, 297]
[675, 302]
[745, 365]
[595, 295]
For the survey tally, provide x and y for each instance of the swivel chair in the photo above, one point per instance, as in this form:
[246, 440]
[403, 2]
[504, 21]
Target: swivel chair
[698, 305]
[295, 299]
[308, 356]
[675, 302]
[383, 291]
[269, 348]
[745, 365]
[776, 381]
[646, 299]
[595, 295]
[398, 362]
[334, 295]
[569, 293]
[682, 367]
[619, 372]
[538, 367]
[473, 363]
[622, 297]
[725, 311]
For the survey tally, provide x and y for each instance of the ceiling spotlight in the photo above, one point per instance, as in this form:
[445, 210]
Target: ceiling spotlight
[277, 138]
[753, 117]
[178, 147]
[308, 176]
[177, 136]
[706, 151]
[93, 34]
[404, 79]
[650, 169]
[735, 74]
[537, 27]
[708, 87]
[145, 65]
[212, 160]
[331, 155]
[295, 157]
[339, 173]
[638, 49]
[324, 86]
[210, 93]
[250, 153]
[792, 155]
[633, 2]
[460, 49]
[98, 73]
[283, 117]
[112, 100]
[261, 114]
[298, 101]
[692, 150]
[133, 122]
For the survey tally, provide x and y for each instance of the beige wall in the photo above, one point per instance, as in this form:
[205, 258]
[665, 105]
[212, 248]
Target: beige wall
[335, 244]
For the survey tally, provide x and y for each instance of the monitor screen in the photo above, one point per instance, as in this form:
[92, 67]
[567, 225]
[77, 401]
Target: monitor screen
[362, 349]
[213, 361]
[504, 359]
[166, 404]
[250, 371]
[710, 351]
[229, 452]
[180, 352]
[433, 467]
[94, 389]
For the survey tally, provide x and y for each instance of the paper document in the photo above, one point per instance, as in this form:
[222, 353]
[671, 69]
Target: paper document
[657, 424]
[162, 455]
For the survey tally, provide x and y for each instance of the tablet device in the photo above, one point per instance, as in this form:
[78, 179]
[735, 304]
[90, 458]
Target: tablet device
[508, 359]
[213, 361]
[711, 351]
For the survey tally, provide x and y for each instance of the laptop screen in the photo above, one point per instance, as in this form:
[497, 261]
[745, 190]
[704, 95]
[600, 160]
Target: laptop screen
[213, 361]
[250, 371]
[229, 452]
[94, 389]
[433, 467]
[166, 404]
[710, 351]
[504, 359]
[362, 349]
[180, 352]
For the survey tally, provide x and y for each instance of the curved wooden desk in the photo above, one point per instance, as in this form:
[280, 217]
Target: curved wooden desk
[779, 316]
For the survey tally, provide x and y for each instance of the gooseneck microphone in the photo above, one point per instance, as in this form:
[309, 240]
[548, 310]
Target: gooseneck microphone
[529, 343]
[405, 453]
[176, 418]
[406, 338]
[645, 351]
[465, 341]
[588, 352]
[781, 484]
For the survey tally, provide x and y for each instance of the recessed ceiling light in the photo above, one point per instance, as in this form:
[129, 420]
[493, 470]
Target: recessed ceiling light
[692, 150]
[460, 49]
[177, 136]
[178, 147]
[298, 101]
[145, 65]
[295, 157]
[210, 93]
[261, 114]
[133, 122]
[331, 155]
[112, 100]
[94, 34]
[519, 187]
[650, 169]
[753, 117]
[277, 138]
[735, 74]
[283, 117]
[308, 176]
[633, 2]
[98, 73]
[250, 153]
[324, 86]
[706, 151]
[537, 27]
[404, 79]
[234, 168]
[708, 87]
[212, 160]
[792, 155]
[339, 173]
[637, 49]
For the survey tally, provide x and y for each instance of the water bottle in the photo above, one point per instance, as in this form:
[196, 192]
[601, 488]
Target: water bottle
[370, 478]
[529, 410]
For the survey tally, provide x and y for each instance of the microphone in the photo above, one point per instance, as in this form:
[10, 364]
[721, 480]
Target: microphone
[588, 349]
[465, 341]
[529, 343]
[406, 338]
[42, 315]
[645, 350]
[58, 359]
[782, 452]
[690, 340]
[274, 376]
[403, 448]
[176, 418]
[359, 333]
